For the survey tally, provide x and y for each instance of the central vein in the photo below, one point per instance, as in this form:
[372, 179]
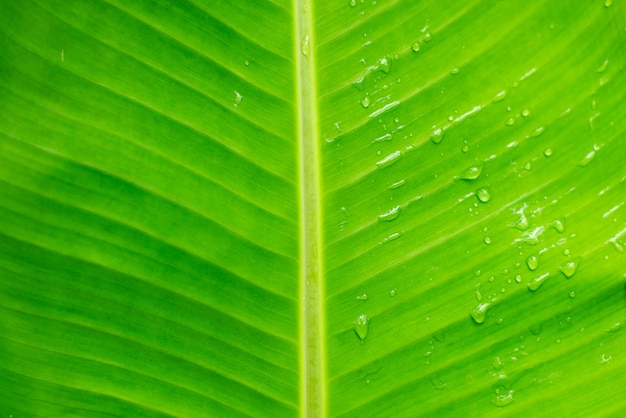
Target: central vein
[312, 331]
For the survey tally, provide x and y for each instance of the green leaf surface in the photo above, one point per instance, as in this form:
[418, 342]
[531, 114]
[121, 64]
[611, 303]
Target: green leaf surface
[385, 208]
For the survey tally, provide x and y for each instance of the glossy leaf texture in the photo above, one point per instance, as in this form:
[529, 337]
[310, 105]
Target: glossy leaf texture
[472, 207]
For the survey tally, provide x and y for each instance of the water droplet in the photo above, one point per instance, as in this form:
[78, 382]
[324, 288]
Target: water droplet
[487, 240]
[304, 46]
[361, 326]
[428, 37]
[608, 3]
[479, 313]
[454, 71]
[477, 294]
[437, 382]
[246, 63]
[392, 237]
[361, 297]
[535, 283]
[572, 294]
[483, 195]
[587, 159]
[437, 135]
[384, 65]
[547, 152]
[569, 267]
[614, 328]
[499, 96]
[389, 160]
[365, 101]
[510, 122]
[532, 262]
[415, 47]
[392, 292]
[397, 184]
[525, 113]
[536, 132]
[352, 3]
[465, 148]
[605, 64]
[472, 172]
[390, 215]
[238, 99]
[558, 225]
[518, 278]
[503, 398]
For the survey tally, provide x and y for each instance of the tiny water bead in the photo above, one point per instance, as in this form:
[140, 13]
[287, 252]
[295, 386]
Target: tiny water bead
[365, 101]
[483, 195]
[584, 162]
[392, 292]
[537, 132]
[569, 267]
[397, 184]
[415, 47]
[547, 152]
[499, 96]
[437, 135]
[304, 46]
[361, 326]
[532, 262]
[535, 283]
[479, 313]
[238, 99]
[389, 160]
[361, 297]
[558, 225]
[487, 240]
[503, 398]
[390, 215]
[472, 172]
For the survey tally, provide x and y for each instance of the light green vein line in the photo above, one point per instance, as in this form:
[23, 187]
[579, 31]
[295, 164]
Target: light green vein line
[312, 324]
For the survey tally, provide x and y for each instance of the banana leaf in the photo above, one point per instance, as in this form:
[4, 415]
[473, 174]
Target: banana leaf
[315, 208]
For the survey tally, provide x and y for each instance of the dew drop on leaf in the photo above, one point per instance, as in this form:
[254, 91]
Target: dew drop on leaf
[415, 47]
[392, 292]
[365, 101]
[390, 215]
[547, 152]
[472, 172]
[483, 195]
[499, 96]
[532, 262]
[361, 297]
[304, 46]
[537, 132]
[238, 99]
[535, 283]
[558, 226]
[569, 267]
[361, 326]
[503, 398]
[397, 184]
[479, 313]
[587, 159]
[389, 160]
[437, 135]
